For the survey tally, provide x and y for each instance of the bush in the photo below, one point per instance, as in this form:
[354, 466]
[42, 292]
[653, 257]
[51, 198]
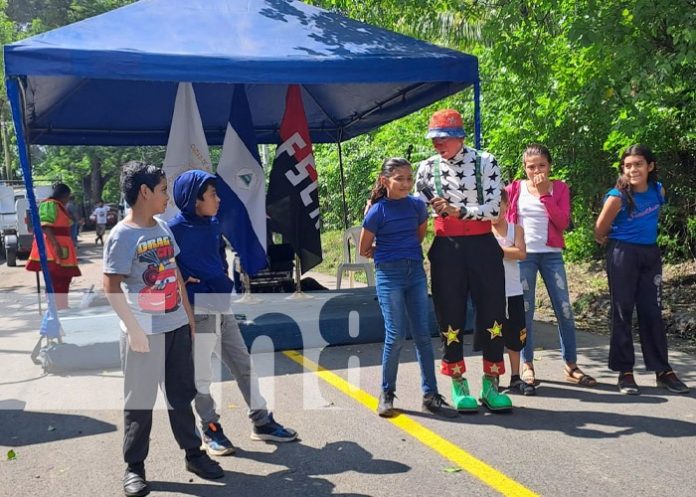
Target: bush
[581, 245]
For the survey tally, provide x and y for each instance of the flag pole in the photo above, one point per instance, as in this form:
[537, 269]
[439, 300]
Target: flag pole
[343, 179]
[343, 195]
[299, 294]
[38, 292]
[247, 297]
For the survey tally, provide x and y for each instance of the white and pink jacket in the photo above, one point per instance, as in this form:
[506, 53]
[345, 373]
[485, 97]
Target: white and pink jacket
[557, 205]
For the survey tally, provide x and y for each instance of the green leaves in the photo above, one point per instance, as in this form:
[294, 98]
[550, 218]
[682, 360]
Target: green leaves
[451, 470]
[585, 78]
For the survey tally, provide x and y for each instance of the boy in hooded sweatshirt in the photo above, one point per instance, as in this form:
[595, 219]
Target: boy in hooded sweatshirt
[204, 269]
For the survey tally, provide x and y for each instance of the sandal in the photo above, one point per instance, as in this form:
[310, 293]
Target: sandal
[528, 375]
[518, 385]
[575, 375]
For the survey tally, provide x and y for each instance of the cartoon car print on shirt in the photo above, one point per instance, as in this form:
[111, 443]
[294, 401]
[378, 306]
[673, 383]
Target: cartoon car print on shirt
[162, 292]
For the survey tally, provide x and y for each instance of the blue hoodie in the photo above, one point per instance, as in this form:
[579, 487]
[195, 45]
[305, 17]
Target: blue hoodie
[200, 241]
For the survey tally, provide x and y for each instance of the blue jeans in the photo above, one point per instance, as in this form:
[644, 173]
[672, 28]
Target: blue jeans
[550, 265]
[403, 297]
[74, 231]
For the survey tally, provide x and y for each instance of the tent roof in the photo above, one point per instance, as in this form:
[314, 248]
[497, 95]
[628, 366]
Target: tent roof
[112, 79]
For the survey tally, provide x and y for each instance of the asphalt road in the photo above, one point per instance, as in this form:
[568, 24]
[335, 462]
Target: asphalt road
[66, 431]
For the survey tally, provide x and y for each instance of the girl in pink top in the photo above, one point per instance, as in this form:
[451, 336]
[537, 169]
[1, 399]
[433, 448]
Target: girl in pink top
[542, 207]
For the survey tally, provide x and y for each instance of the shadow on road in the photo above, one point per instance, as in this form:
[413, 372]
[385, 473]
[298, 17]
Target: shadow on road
[588, 424]
[19, 428]
[303, 463]
[603, 392]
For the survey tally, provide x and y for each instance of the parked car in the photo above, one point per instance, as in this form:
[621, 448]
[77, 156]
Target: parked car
[16, 229]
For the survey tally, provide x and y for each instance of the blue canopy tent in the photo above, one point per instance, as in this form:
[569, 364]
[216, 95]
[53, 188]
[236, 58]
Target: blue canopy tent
[112, 79]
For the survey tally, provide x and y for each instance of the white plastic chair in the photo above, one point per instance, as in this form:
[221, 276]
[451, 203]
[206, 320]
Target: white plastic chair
[352, 260]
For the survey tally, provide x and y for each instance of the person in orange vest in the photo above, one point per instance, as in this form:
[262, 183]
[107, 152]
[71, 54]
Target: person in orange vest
[60, 249]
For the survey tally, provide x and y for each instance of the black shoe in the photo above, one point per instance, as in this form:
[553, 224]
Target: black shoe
[436, 404]
[519, 386]
[134, 484]
[627, 384]
[273, 431]
[385, 408]
[669, 380]
[203, 466]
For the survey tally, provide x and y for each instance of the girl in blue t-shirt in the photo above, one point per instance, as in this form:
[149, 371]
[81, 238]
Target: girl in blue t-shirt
[628, 226]
[392, 232]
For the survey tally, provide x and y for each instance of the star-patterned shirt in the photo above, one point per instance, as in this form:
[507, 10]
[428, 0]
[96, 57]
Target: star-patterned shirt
[458, 180]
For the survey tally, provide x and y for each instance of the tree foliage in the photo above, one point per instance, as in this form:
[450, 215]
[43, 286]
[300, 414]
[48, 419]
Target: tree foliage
[89, 171]
[92, 172]
[585, 77]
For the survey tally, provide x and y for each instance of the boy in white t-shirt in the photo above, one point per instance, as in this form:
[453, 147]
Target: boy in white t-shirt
[100, 213]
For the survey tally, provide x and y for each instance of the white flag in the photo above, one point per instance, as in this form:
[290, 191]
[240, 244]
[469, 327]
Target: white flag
[186, 147]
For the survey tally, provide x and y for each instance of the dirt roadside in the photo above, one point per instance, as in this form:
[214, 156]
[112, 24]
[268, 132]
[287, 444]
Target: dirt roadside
[18, 280]
[586, 281]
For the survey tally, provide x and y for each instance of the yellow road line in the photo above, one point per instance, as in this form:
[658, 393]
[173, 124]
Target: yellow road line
[475, 467]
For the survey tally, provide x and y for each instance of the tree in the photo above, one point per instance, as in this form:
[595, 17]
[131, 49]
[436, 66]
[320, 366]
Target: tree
[51, 14]
[87, 169]
[7, 34]
[587, 78]
[44, 15]
[91, 171]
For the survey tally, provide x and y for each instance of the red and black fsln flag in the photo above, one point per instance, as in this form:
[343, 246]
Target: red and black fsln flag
[292, 201]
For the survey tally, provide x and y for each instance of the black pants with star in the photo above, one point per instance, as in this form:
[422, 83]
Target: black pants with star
[460, 265]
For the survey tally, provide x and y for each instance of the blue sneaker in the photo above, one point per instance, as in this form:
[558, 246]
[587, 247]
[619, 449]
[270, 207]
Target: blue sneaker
[215, 443]
[273, 432]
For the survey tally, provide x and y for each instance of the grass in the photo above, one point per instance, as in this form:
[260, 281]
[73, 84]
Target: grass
[587, 284]
[332, 249]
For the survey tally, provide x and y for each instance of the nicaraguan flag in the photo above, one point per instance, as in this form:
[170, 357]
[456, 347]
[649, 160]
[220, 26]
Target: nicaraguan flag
[241, 187]
[187, 147]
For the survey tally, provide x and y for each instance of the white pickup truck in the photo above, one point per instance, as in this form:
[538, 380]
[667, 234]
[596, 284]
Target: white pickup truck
[16, 228]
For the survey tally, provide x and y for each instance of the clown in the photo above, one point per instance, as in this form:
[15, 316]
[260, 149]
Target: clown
[465, 256]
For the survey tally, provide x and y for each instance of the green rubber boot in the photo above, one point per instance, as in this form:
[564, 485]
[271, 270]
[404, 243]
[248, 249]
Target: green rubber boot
[491, 398]
[461, 398]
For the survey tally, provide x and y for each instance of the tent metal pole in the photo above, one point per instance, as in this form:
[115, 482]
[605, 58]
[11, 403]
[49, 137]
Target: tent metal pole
[38, 292]
[343, 179]
[379, 105]
[18, 105]
[477, 113]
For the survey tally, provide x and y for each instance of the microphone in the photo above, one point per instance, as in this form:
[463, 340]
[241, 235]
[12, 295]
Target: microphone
[423, 188]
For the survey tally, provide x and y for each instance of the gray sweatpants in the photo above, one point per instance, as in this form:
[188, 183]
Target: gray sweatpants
[218, 338]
